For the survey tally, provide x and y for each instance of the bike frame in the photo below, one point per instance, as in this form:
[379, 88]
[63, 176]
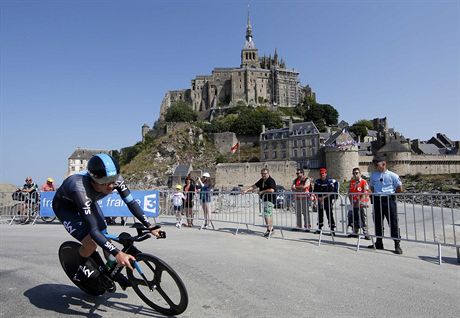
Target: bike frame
[129, 248]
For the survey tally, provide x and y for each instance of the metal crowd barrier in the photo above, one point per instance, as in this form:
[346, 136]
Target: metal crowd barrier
[429, 218]
[19, 207]
[422, 218]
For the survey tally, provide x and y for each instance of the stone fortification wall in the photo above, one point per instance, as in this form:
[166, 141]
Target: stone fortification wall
[229, 175]
[417, 164]
[434, 164]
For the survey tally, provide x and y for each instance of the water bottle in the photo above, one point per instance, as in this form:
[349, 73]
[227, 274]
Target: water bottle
[111, 262]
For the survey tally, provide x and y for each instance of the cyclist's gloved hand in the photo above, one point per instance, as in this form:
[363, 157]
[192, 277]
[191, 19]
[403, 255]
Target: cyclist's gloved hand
[157, 232]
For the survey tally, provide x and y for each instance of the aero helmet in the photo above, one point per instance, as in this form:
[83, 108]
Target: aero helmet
[103, 168]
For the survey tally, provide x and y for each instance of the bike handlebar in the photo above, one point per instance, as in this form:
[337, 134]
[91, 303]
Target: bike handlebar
[143, 232]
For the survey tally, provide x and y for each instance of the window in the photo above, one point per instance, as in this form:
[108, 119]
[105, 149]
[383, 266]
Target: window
[295, 153]
[274, 155]
[274, 145]
[265, 155]
[283, 154]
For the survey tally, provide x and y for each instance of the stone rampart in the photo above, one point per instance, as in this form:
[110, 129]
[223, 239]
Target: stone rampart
[417, 164]
[229, 175]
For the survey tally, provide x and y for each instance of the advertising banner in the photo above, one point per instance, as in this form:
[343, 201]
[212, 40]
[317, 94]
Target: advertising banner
[111, 205]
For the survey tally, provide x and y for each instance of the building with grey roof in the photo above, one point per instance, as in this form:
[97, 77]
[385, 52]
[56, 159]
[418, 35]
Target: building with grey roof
[299, 142]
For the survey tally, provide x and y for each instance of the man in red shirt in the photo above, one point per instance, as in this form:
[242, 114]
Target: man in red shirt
[359, 199]
[301, 185]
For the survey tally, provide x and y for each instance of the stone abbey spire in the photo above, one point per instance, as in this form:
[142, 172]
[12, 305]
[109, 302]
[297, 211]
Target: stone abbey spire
[249, 53]
[249, 43]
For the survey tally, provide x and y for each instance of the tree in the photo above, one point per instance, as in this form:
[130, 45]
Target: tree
[361, 127]
[321, 115]
[180, 112]
[250, 121]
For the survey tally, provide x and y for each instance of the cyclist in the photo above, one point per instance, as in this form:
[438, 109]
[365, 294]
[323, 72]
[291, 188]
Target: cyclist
[75, 205]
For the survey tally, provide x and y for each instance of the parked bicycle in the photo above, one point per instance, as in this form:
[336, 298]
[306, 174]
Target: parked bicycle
[153, 280]
[26, 208]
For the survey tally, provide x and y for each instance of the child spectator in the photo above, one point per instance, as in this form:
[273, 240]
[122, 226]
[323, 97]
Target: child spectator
[178, 198]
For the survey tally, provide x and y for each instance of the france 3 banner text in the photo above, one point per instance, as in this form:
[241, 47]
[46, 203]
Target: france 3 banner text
[111, 205]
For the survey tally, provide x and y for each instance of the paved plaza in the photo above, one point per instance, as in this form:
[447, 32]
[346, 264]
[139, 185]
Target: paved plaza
[242, 275]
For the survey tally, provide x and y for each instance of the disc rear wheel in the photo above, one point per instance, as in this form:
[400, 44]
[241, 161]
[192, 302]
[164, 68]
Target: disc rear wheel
[164, 291]
[69, 259]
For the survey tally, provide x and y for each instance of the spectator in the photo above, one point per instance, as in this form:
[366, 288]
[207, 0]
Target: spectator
[204, 184]
[384, 184]
[48, 185]
[326, 190]
[32, 198]
[359, 200]
[267, 188]
[178, 202]
[189, 191]
[301, 185]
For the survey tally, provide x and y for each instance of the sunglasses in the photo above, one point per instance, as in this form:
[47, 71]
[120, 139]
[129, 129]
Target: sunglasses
[28, 180]
[355, 173]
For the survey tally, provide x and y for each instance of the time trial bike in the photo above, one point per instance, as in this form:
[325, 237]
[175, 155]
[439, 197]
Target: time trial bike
[154, 281]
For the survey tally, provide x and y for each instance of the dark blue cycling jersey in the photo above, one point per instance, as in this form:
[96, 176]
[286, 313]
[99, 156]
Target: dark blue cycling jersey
[75, 204]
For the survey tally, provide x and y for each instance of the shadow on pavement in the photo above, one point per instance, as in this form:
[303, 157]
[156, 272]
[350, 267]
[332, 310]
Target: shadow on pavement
[445, 260]
[70, 300]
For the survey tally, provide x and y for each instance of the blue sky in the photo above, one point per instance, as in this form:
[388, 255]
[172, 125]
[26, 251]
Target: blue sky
[90, 73]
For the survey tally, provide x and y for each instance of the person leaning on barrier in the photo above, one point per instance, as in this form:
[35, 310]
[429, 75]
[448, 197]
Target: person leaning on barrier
[75, 205]
[267, 189]
[48, 185]
[31, 198]
[359, 199]
[326, 190]
[301, 185]
[384, 184]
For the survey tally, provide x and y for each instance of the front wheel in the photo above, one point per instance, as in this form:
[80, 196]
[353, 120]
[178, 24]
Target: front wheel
[162, 289]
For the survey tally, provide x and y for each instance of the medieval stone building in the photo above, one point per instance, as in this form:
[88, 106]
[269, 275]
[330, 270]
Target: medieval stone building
[258, 81]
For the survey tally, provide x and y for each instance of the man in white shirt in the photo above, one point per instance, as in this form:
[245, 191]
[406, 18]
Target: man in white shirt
[384, 184]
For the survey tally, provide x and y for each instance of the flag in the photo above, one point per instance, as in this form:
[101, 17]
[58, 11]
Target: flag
[235, 147]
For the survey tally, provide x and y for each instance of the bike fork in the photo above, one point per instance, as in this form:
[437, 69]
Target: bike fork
[139, 270]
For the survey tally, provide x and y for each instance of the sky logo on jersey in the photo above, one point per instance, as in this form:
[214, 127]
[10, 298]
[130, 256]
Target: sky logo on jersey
[87, 271]
[110, 246]
[68, 226]
[87, 207]
[122, 186]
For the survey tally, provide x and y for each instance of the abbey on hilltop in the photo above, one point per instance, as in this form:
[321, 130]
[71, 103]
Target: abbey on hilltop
[258, 81]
